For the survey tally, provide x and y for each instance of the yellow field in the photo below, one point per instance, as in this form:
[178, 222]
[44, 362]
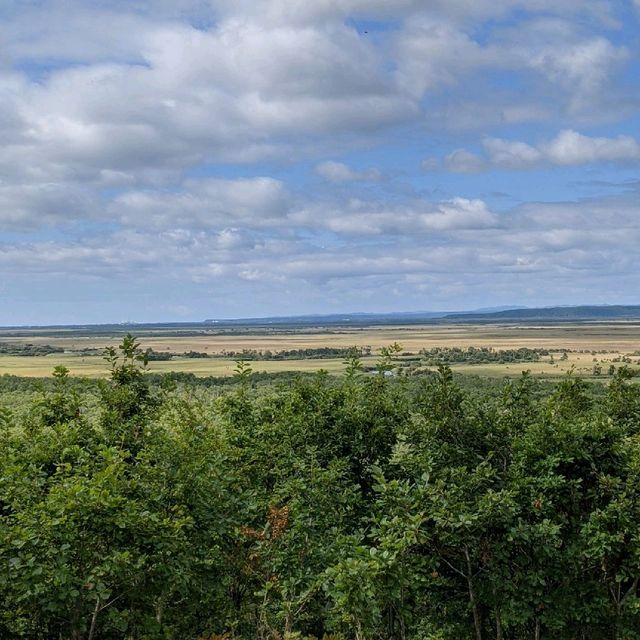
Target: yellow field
[620, 338]
[95, 367]
[581, 364]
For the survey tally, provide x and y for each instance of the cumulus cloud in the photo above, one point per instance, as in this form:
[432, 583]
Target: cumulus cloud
[461, 213]
[357, 217]
[430, 164]
[184, 139]
[545, 236]
[463, 161]
[571, 148]
[431, 54]
[161, 105]
[340, 172]
[151, 101]
[206, 203]
[512, 154]
[299, 11]
[29, 206]
[435, 54]
[583, 69]
[568, 148]
[461, 249]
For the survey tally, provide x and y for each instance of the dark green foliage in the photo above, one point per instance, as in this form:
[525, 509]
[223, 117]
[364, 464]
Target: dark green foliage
[158, 356]
[297, 354]
[369, 507]
[195, 354]
[480, 355]
[7, 349]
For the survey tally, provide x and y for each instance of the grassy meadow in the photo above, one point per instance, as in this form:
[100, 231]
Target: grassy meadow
[589, 344]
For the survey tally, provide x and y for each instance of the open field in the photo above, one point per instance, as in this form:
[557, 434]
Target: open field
[619, 339]
[618, 336]
[95, 366]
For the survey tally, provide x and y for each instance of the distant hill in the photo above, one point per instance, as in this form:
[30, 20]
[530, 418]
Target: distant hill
[551, 314]
[334, 319]
[583, 313]
[496, 314]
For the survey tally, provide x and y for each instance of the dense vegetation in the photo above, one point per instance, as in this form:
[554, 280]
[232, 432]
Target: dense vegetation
[364, 507]
[480, 355]
[297, 354]
[266, 354]
[8, 349]
[431, 357]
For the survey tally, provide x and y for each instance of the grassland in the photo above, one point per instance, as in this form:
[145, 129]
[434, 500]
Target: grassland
[617, 339]
[95, 367]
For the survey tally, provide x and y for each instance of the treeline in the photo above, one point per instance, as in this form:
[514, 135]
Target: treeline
[297, 354]
[159, 356]
[28, 349]
[360, 508]
[480, 355]
[433, 356]
[257, 355]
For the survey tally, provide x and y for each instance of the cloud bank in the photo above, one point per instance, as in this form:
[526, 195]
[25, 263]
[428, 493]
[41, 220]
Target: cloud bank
[287, 156]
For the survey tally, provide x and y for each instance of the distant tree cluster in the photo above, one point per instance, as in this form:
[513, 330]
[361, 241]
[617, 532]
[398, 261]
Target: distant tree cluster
[480, 355]
[28, 349]
[195, 354]
[158, 356]
[267, 354]
[296, 354]
[358, 508]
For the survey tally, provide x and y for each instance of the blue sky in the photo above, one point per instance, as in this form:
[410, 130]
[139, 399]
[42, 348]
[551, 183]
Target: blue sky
[190, 159]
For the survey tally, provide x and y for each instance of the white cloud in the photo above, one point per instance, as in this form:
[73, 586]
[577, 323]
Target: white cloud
[379, 218]
[107, 108]
[301, 11]
[430, 164]
[206, 203]
[572, 148]
[581, 67]
[454, 236]
[461, 213]
[28, 206]
[568, 148]
[512, 154]
[340, 172]
[442, 251]
[134, 91]
[433, 53]
[163, 106]
[463, 161]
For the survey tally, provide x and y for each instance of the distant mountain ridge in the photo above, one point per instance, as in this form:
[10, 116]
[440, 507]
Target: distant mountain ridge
[582, 312]
[496, 314]
[331, 318]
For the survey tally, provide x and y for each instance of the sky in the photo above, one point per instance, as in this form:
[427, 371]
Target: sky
[176, 160]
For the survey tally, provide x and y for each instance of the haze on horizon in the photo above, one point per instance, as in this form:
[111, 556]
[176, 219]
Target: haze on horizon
[189, 159]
